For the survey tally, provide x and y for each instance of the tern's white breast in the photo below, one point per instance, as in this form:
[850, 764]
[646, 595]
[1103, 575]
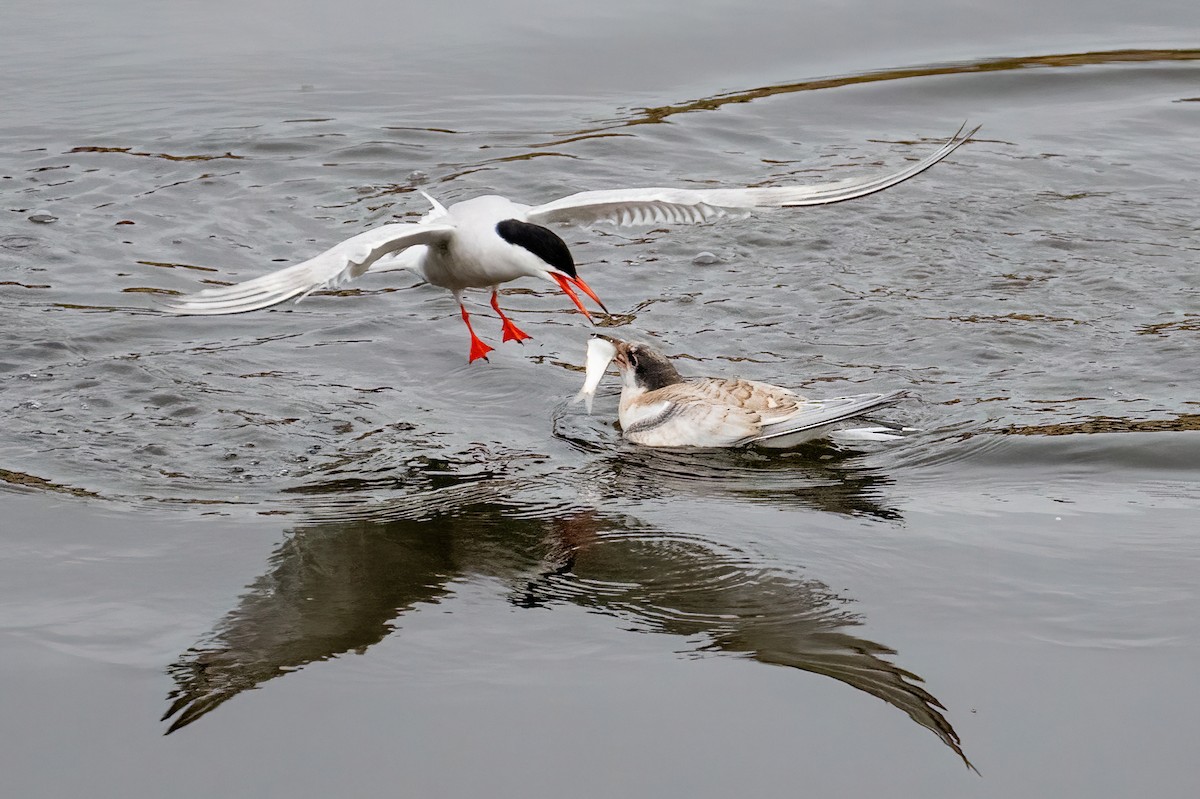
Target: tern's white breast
[475, 256]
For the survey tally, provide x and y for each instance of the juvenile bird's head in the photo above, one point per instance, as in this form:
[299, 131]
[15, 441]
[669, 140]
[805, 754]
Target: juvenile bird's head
[553, 253]
[642, 366]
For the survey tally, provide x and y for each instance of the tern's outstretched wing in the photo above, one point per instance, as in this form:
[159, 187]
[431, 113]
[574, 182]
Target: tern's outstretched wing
[675, 206]
[338, 264]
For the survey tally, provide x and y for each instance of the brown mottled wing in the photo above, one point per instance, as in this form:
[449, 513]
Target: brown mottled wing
[772, 402]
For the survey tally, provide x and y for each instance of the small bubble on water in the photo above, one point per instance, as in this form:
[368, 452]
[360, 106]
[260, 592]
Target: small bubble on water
[43, 217]
[417, 177]
[706, 258]
[31, 405]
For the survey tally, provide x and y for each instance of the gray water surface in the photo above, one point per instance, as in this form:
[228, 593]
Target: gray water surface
[329, 557]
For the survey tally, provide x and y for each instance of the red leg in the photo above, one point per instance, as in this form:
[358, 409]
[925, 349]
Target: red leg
[478, 348]
[511, 331]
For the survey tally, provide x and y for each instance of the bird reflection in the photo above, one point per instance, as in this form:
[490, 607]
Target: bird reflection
[338, 587]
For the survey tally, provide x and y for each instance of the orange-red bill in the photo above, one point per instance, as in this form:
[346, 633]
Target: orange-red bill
[586, 289]
[564, 284]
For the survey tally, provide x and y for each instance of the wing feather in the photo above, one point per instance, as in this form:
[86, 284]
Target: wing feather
[819, 413]
[334, 267]
[651, 206]
[772, 402]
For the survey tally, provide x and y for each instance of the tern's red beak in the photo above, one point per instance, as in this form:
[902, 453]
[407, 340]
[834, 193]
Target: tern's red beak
[565, 283]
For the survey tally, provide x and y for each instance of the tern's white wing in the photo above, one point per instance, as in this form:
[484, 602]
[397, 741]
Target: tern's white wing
[333, 267]
[674, 206]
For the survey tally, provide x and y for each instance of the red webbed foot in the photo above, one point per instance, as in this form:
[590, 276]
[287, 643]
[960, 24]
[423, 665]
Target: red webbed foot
[478, 350]
[511, 331]
[514, 333]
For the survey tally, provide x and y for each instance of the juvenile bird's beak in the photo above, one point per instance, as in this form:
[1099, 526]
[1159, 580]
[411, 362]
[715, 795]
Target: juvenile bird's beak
[621, 357]
[566, 282]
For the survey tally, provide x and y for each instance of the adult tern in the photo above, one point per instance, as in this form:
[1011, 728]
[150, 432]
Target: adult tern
[486, 241]
[660, 408]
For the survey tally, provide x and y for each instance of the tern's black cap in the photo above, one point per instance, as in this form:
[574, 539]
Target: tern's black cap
[542, 242]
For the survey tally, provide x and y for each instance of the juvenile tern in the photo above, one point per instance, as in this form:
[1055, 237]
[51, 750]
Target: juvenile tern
[489, 240]
[659, 408]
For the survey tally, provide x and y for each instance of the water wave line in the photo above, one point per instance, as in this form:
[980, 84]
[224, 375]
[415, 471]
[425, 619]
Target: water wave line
[656, 114]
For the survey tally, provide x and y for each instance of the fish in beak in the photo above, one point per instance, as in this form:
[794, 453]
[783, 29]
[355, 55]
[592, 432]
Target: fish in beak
[601, 351]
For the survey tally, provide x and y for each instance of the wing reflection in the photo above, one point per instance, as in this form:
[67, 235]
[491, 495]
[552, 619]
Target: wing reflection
[689, 587]
[340, 587]
[327, 591]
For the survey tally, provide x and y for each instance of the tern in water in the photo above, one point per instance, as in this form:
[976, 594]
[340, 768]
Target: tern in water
[486, 241]
[659, 408]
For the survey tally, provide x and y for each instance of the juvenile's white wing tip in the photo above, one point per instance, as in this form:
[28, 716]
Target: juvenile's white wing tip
[867, 434]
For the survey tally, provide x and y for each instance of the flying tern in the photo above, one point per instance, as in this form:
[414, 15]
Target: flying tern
[486, 241]
[660, 408]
